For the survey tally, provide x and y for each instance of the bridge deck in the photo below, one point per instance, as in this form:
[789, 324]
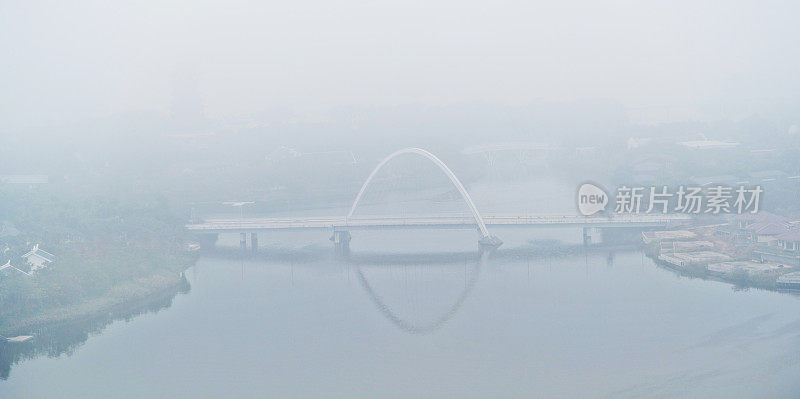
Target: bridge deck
[429, 222]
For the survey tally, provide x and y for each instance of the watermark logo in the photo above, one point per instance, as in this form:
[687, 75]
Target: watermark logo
[685, 199]
[591, 199]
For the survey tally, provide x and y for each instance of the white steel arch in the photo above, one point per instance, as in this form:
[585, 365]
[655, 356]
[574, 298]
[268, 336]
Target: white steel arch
[438, 162]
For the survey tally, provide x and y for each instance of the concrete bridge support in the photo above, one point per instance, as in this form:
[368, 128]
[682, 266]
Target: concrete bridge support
[341, 242]
[243, 241]
[254, 242]
[489, 243]
[207, 241]
[591, 235]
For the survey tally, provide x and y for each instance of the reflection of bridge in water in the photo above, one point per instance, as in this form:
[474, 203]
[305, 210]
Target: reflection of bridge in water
[340, 227]
[427, 327]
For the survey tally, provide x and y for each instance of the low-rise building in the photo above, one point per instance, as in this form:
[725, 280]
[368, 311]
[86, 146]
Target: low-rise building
[745, 219]
[786, 249]
[666, 236]
[789, 280]
[766, 232]
[749, 267]
[686, 246]
[685, 259]
[7, 269]
[38, 258]
[754, 228]
[789, 241]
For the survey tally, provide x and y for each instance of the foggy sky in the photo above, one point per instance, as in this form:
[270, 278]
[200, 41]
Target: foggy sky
[67, 61]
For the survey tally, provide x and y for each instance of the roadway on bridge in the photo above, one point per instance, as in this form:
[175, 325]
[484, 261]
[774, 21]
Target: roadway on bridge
[430, 222]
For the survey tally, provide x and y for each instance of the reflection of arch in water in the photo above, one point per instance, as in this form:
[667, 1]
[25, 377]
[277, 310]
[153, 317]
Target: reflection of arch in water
[438, 162]
[428, 327]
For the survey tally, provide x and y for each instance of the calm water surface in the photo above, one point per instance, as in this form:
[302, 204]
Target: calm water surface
[420, 314]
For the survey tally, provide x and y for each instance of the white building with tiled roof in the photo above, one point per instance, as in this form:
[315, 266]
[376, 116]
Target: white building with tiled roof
[8, 269]
[38, 258]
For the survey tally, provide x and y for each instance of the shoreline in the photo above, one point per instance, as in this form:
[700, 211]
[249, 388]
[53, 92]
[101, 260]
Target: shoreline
[165, 280]
[710, 252]
[741, 280]
[119, 296]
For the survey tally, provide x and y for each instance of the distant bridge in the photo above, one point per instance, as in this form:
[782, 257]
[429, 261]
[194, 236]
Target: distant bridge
[341, 226]
[427, 222]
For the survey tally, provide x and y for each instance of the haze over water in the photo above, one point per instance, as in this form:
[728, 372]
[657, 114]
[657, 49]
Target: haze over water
[127, 127]
[402, 318]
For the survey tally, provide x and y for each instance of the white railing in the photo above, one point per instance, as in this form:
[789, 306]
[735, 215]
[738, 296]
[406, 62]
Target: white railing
[390, 221]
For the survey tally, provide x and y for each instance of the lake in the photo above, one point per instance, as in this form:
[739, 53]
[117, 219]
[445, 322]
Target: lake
[421, 314]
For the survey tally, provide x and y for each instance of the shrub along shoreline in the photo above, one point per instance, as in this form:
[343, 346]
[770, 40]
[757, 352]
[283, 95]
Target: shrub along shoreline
[108, 251]
[121, 295]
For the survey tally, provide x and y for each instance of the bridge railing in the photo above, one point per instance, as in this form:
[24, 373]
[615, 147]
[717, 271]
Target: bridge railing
[421, 220]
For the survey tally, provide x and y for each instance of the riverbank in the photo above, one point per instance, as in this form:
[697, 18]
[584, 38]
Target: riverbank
[120, 295]
[99, 252]
[700, 252]
[738, 278]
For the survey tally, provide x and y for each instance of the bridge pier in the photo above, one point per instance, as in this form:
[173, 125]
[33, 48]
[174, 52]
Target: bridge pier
[207, 241]
[243, 241]
[341, 242]
[489, 243]
[254, 242]
[591, 235]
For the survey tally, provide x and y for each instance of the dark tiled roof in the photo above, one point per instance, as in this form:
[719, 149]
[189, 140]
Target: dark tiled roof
[761, 216]
[769, 228]
[791, 235]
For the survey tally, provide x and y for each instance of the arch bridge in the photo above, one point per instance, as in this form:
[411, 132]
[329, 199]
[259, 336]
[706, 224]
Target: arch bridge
[341, 226]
